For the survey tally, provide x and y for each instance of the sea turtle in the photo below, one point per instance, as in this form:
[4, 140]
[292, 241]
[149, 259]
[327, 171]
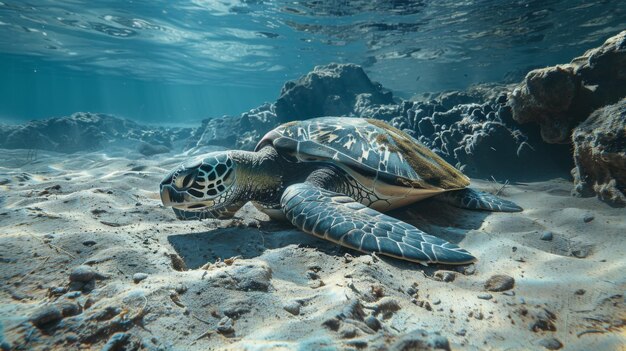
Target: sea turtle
[332, 177]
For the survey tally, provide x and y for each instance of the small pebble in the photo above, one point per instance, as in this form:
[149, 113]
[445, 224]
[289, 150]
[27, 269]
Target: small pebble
[225, 326]
[292, 307]
[372, 322]
[347, 332]
[85, 274]
[580, 292]
[436, 301]
[73, 294]
[445, 276]
[181, 288]
[499, 282]
[137, 277]
[547, 236]
[509, 293]
[485, 296]
[58, 290]
[551, 343]
[46, 315]
[89, 243]
[588, 218]
[312, 275]
[461, 332]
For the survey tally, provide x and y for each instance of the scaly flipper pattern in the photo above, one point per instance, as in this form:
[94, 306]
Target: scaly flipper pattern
[472, 199]
[340, 219]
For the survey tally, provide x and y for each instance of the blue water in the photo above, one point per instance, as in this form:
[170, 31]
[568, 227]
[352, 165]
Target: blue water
[179, 61]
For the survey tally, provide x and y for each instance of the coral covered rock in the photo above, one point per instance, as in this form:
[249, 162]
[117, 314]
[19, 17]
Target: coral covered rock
[559, 98]
[600, 155]
[331, 90]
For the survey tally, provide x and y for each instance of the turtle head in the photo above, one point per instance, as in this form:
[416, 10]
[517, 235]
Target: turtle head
[204, 187]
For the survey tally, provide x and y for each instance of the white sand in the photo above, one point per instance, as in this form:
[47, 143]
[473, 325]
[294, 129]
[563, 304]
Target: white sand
[107, 213]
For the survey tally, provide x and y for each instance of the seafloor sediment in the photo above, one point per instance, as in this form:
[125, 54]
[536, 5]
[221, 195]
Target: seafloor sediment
[90, 258]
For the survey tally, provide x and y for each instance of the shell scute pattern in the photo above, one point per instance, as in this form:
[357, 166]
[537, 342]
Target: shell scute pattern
[371, 147]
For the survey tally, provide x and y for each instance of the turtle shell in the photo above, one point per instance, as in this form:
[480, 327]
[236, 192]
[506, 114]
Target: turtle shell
[367, 146]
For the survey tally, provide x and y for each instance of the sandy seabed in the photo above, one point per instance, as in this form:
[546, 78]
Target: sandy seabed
[89, 259]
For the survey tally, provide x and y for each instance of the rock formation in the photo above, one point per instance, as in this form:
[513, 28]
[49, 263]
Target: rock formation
[88, 131]
[559, 98]
[600, 155]
[331, 90]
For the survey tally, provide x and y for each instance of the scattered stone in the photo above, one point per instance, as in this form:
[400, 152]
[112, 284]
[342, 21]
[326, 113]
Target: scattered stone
[580, 292]
[348, 258]
[544, 320]
[292, 307]
[461, 332]
[509, 293]
[372, 322]
[116, 342]
[387, 306]
[89, 243]
[84, 274]
[138, 277]
[551, 343]
[180, 288]
[69, 309]
[73, 294]
[312, 275]
[499, 282]
[378, 291]
[177, 263]
[225, 326]
[348, 331]
[445, 276]
[469, 269]
[420, 340]
[46, 315]
[485, 296]
[436, 301]
[588, 218]
[547, 236]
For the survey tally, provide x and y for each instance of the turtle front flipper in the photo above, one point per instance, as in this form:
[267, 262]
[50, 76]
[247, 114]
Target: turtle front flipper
[340, 219]
[478, 200]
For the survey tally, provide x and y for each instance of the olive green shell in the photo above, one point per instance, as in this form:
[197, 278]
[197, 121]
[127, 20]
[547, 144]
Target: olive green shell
[367, 146]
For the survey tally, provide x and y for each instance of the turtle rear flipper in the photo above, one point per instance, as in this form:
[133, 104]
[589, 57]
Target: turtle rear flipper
[340, 219]
[478, 200]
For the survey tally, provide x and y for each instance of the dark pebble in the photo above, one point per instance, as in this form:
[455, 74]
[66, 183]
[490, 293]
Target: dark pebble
[550, 343]
[499, 282]
[225, 326]
[485, 296]
[445, 276]
[46, 315]
[137, 277]
[547, 236]
[373, 323]
[85, 274]
[89, 243]
[580, 292]
[588, 218]
[116, 342]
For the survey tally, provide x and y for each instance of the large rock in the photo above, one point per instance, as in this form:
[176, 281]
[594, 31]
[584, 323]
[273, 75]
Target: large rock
[600, 155]
[331, 90]
[559, 98]
[85, 131]
[239, 132]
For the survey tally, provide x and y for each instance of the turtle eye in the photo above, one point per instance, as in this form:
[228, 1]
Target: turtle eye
[184, 181]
